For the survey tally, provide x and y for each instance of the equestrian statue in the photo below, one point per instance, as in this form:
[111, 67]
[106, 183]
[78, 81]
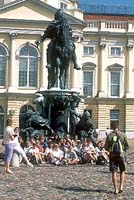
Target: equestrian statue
[60, 50]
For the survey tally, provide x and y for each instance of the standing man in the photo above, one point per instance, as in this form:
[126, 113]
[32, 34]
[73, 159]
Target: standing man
[116, 143]
[107, 131]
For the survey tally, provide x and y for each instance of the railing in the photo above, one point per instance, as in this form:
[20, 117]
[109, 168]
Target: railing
[93, 24]
[105, 9]
[117, 26]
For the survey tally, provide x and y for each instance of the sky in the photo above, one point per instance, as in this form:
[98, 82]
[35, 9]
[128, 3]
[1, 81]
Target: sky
[109, 2]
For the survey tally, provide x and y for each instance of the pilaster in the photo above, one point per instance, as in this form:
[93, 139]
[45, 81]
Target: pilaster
[12, 64]
[129, 66]
[43, 70]
[101, 59]
[76, 75]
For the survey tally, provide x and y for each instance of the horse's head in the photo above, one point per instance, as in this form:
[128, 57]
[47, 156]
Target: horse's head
[86, 115]
[38, 98]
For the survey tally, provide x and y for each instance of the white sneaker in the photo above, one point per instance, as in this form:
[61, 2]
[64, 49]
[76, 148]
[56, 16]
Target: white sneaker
[30, 164]
[9, 171]
[43, 162]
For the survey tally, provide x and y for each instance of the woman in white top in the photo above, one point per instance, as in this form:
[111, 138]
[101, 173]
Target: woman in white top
[18, 149]
[9, 143]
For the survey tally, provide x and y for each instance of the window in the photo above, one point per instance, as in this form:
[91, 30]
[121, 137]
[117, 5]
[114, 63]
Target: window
[1, 121]
[88, 51]
[28, 66]
[88, 83]
[115, 84]
[3, 63]
[88, 79]
[2, 2]
[63, 5]
[115, 80]
[114, 116]
[115, 51]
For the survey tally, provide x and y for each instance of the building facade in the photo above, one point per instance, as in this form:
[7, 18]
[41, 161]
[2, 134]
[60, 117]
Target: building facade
[108, 69]
[104, 48]
[22, 66]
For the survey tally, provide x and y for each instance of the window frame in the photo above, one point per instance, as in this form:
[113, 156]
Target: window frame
[117, 120]
[63, 5]
[89, 68]
[115, 55]
[115, 86]
[5, 64]
[28, 58]
[116, 68]
[88, 47]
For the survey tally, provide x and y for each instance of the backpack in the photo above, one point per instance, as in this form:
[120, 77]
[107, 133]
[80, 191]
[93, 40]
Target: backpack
[117, 146]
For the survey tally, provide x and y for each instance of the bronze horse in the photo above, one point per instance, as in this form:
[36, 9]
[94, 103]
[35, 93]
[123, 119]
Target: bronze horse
[60, 51]
[85, 128]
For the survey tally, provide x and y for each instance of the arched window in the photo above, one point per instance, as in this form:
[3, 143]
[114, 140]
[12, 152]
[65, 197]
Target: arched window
[24, 109]
[3, 64]
[28, 66]
[1, 121]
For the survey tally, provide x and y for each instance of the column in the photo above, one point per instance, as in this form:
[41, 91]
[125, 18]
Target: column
[76, 75]
[129, 66]
[12, 73]
[43, 70]
[101, 65]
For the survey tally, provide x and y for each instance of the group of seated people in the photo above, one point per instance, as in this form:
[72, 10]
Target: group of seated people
[64, 151]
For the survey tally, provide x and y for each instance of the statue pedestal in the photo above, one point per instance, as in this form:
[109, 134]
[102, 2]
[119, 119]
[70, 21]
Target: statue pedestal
[15, 160]
[59, 108]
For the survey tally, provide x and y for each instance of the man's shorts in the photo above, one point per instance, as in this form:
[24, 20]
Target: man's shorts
[117, 162]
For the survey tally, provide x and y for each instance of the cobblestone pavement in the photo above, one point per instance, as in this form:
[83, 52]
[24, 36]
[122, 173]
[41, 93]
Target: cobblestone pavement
[80, 182]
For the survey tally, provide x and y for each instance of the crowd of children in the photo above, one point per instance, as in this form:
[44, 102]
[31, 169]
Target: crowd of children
[64, 151]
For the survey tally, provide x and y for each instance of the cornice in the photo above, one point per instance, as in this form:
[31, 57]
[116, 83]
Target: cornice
[106, 100]
[24, 21]
[107, 33]
[14, 95]
[21, 31]
[16, 32]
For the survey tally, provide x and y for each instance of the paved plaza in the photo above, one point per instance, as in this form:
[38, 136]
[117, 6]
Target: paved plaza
[48, 182]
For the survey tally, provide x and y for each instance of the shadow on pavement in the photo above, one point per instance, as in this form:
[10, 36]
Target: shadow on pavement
[79, 189]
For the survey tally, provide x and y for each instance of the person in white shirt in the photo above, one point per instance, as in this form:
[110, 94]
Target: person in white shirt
[18, 149]
[107, 131]
[89, 151]
[8, 142]
[57, 155]
[71, 156]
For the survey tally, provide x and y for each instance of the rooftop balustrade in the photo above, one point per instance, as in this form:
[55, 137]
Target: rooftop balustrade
[110, 26]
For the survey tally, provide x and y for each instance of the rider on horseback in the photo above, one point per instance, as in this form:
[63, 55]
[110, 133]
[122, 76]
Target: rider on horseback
[61, 25]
